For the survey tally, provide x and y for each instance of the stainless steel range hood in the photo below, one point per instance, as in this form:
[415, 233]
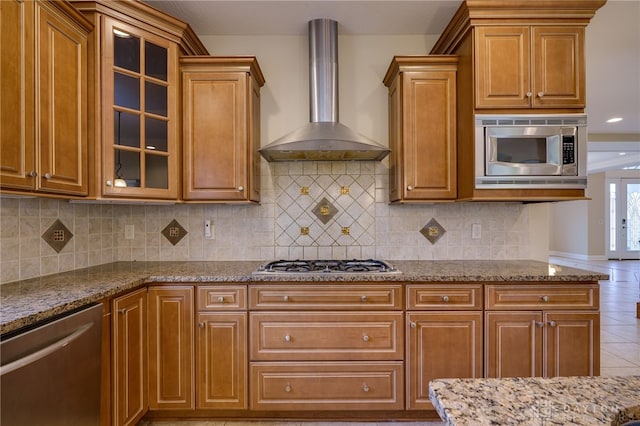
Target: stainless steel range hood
[324, 138]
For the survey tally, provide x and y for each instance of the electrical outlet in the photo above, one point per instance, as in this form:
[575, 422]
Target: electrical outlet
[209, 230]
[129, 232]
[476, 231]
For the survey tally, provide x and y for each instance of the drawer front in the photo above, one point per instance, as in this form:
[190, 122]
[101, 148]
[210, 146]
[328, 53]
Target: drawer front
[454, 296]
[222, 297]
[329, 296]
[327, 386]
[326, 336]
[582, 296]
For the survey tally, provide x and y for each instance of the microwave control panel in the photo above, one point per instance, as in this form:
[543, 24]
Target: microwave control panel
[568, 149]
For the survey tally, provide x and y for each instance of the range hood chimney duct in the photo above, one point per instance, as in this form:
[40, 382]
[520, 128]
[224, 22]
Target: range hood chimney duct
[324, 138]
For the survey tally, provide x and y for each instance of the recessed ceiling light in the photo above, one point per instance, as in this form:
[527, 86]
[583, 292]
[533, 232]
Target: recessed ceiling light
[614, 120]
[622, 153]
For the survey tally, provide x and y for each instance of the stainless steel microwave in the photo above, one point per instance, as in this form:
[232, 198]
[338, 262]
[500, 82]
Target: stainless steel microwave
[531, 151]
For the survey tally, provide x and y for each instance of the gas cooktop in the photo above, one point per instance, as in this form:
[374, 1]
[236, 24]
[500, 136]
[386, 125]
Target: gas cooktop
[353, 266]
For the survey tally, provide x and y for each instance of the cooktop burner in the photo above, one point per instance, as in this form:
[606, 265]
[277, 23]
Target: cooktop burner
[326, 266]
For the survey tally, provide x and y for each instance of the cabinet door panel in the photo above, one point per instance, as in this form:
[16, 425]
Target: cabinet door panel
[502, 66]
[62, 107]
[558, 61]
[572, 344]
[222, 360]
[171, 347]
[513, 346]
[441, 344]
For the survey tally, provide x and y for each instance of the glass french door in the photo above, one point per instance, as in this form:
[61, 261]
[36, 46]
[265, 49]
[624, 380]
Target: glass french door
[623, 218]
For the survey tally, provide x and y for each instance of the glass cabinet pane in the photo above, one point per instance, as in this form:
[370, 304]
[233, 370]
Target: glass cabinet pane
[127, 129]
[155, 98]
[126, 51]
[127, 167]
[156, 171]
[126, 91]
[156, 134]
[155, 61]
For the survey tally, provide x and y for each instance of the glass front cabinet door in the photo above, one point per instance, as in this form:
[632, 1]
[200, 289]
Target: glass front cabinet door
[139, 113]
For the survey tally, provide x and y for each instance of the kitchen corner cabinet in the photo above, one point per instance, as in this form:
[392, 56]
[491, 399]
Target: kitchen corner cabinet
[444, 337]
[422, 128]
[542, 330]
[43, 114]
[529, 66]
[135, 93]
[221, 128]
[221, 345]
[129, 357]
[171, 347]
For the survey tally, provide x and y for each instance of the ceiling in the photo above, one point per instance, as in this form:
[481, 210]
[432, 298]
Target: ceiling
[612, 49]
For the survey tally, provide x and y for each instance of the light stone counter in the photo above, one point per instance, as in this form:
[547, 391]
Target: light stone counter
[585, 401]
[23, 303]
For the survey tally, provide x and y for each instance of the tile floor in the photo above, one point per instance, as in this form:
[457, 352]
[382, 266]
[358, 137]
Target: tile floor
[619, 335]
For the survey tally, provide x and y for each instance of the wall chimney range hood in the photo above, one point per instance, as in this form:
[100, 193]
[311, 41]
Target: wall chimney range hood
[324, 138]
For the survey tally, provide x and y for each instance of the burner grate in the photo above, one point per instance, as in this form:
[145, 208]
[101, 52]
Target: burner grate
[327, 266]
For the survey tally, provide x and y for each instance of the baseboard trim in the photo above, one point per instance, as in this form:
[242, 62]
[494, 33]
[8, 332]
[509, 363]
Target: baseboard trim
[576, 256]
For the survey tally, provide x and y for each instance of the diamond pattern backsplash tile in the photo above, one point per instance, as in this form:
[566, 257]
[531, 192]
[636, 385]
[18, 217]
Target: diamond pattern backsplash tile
[432, 231]
[174, 232]
[57, 236]
[334, 209]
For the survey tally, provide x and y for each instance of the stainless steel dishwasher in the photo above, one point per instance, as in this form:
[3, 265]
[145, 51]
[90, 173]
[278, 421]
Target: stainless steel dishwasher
[50, 375]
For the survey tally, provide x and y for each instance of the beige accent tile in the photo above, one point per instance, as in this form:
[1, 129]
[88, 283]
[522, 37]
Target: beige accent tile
[9, 271]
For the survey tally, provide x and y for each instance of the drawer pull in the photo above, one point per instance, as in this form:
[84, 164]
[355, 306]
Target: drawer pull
[363, 298]
[539, 324]
[552, 324]
[287, 388]
[365, 338]
[220, 299]
[365, 388]
[445, 298]
[545, 298]
[287, 338]
[412, 324]
[285, 298]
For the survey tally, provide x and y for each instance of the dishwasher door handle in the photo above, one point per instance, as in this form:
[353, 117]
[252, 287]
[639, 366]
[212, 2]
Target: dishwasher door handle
[38, 355]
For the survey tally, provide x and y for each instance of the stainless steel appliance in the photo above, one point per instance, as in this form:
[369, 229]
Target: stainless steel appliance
[354, 266]
[531, 151]
[50, 375]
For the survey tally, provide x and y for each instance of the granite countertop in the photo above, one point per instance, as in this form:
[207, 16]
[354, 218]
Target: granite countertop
[23, 303]
[537, 401]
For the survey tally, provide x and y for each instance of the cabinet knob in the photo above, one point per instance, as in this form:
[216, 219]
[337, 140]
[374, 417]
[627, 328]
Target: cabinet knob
[287, 338]
[365, 388]
[412, 324]
[539, 324]
[363, 298]
[552, 323]
[47, 176]
[240, 188]
[220, 299]
[540, 94]
[287, 388]
[285, 298]
[201, 324]
[109, 183]
[445, 298]
[122, 311]
[32, 173]
[529, 94]
[365, 338]
[409, 188]
[545, 298]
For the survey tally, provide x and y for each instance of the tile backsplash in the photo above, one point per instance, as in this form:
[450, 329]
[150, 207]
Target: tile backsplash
[351, 197]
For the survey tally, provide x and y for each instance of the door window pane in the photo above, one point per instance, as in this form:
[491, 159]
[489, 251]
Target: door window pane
[126, 91]
[156, 171]
[633, 216]
[155, 61]
[613, 219]
[127, 129]
[155, 98]
[126, 51]
[156, 134]
[127, 167]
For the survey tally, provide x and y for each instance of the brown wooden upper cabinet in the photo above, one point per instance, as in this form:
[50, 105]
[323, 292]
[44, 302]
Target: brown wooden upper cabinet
[422, 128]
[221, 128]
[135, 93]
[529, 66]
[43, 125]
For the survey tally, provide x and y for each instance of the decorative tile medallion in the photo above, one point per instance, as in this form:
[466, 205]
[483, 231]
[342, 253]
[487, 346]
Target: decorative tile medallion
[57, 236]
[344, 190]
[304, 190]
[432, 231]
[324, 210]
[304, 230]
[345, 230]
[174, 232]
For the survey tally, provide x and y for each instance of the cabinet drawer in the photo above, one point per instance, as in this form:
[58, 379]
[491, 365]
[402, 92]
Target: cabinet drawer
[583, 296]
[282, 336]
[330, 296]
[454, 296]
[222, 297]
[327, 386]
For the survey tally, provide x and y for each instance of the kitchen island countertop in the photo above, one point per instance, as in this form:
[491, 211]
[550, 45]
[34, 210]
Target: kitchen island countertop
[537, 401]
[23, 303]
